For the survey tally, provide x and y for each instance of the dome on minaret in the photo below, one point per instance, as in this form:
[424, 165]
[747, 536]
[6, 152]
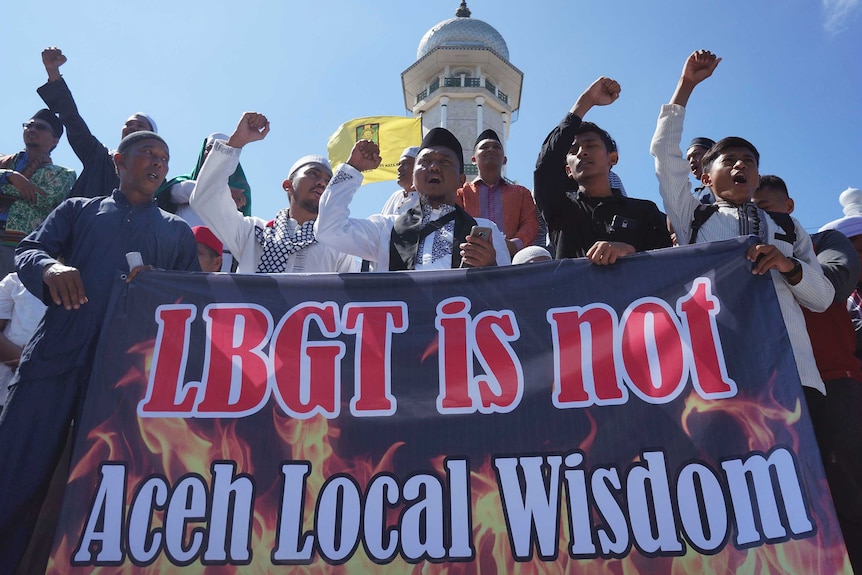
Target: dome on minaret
[462, 80]
[465, 33]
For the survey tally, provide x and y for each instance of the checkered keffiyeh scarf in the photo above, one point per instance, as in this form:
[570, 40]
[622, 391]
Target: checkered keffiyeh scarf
[279, 243]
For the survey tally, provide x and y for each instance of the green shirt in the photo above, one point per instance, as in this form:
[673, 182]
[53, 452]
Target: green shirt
[23, 217]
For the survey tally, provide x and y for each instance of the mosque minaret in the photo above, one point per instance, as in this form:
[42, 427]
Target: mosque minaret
[462, 80]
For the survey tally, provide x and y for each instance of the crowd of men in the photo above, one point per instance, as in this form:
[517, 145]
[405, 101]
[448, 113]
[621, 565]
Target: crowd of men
[66, 242]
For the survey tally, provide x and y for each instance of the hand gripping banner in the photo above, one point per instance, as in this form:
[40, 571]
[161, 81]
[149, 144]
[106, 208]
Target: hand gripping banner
[556, 417]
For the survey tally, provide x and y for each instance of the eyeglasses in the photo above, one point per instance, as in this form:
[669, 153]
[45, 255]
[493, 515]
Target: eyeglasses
[34, 125]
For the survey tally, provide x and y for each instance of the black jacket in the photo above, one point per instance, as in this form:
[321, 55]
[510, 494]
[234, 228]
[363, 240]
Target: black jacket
[576, 223]
[98, 176]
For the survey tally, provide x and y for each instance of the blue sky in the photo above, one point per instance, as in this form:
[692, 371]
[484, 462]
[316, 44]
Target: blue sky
[790, 79]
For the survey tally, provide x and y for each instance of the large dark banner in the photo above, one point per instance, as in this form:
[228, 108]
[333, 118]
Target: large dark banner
[558, 417]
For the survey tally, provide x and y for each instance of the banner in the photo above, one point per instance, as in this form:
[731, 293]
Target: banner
[645, 417]
[391, 133]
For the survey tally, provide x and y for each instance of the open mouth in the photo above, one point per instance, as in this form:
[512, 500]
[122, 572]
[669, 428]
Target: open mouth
[739, 179]
[434, 180]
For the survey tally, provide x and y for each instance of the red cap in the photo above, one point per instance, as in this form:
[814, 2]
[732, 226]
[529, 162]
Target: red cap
[204, 236]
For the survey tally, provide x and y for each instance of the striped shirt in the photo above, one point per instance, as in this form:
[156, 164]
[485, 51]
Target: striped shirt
[813, 291]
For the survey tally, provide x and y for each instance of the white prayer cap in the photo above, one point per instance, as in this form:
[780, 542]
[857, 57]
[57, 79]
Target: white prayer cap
[310, 159]
[216, 136]
[410, 152]
[152, 122]
[531, 254]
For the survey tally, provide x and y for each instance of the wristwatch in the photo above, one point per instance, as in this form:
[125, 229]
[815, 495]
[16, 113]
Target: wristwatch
[797, 268]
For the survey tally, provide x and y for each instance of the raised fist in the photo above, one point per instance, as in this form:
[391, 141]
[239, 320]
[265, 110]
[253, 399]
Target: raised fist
[53, 58]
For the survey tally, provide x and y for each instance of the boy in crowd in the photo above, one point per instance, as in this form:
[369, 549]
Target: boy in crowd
[731, 171]
[490, 196]
[697, 148]
[209, 249]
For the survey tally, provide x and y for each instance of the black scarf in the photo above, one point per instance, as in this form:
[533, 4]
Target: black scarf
[408, 232]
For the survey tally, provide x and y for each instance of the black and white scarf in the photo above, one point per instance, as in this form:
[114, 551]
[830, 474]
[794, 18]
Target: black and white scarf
[442, 236]
[413, 228]
[751, 219]
[279, 243]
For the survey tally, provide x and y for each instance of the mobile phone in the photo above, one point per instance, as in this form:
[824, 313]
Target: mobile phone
[481, 232]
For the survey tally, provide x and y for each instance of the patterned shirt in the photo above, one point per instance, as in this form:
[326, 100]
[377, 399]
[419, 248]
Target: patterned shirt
[22, 217]
[440, 246]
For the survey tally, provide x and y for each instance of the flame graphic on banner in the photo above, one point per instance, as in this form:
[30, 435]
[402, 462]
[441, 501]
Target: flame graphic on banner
[173, 447]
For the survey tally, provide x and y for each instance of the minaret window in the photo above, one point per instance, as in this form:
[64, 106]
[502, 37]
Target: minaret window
[461, 78]
[490, 86]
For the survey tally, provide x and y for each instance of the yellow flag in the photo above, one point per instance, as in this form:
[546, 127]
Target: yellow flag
[391, 133]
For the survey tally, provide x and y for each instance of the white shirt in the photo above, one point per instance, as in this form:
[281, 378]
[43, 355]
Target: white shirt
[398, 203]
[813, 291]
[180, 194]
[369, 239]
[24, 311]
[212, 201]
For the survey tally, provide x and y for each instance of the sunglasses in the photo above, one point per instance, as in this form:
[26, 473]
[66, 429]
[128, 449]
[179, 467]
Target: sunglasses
[34, 125]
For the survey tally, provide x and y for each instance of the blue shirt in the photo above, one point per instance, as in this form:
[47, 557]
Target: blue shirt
[93, 235]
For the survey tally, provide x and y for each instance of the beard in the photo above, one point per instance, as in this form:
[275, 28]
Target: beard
[311, 205]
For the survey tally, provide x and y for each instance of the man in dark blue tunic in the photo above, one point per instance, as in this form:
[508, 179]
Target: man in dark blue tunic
[92, 237]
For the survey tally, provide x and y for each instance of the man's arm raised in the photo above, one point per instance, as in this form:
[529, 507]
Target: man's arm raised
[550, 179]
[334, 227]
[211, 198]
[671, 167]
[57, 97]
[252, 127]
[603, 92]
[698, 67]
[53, 58]
[364, 156]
